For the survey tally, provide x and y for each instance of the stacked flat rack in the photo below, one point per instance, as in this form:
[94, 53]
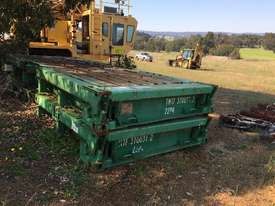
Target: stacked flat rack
[120, 115]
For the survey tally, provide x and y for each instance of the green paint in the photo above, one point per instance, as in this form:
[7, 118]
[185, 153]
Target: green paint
[118, 125]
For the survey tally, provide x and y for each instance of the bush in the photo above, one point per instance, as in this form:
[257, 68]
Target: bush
[235, 54]
[269, 41]
[222, 50]
[226, 50]
[8, 48]
[4, 49]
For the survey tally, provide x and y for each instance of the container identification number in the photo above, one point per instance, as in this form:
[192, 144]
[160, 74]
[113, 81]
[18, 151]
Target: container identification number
[179, 100]
[136, 142]
[171, 104]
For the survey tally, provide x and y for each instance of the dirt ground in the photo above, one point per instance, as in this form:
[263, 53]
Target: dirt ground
[38, 167]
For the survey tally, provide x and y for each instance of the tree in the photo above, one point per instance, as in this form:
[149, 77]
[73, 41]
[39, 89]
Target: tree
[159, 44]
[193, 41]
[180, 44]
[215, 44]
[150, 45]
[25, 19]
[235, 54]
[141, 40]
[269, 41]
[71, 4]
[208, 42]
[170, 46]
[222, 50]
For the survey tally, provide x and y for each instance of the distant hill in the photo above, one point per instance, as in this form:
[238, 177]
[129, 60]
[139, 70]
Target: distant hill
[173, 34]
[185, 34]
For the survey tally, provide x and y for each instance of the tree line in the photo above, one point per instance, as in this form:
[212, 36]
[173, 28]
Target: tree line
[219, 44]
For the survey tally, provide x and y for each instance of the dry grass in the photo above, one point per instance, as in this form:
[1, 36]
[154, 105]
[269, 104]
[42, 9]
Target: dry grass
[245, 75]
[238, 175]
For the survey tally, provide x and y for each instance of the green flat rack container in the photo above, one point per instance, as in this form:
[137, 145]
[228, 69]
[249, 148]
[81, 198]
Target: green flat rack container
[120, 115]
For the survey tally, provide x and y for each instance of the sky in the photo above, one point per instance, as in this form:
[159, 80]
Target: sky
[238, 16]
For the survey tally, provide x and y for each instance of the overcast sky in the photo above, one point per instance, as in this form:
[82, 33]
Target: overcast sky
[205, 15]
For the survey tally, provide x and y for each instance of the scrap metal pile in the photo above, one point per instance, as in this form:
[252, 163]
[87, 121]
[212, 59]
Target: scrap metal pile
[260, 119]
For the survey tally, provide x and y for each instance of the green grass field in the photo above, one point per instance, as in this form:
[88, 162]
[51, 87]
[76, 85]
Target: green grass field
[257, 54]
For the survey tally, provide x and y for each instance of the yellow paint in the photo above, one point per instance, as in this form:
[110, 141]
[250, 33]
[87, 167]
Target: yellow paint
[60, 34]
[90, 43]
[193, 62]
[118, 50]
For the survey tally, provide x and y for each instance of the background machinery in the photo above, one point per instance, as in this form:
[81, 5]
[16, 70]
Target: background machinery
[189, 58]
[91, 32]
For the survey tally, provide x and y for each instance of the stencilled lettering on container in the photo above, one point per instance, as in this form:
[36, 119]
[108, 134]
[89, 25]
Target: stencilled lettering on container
[134, 141]
[169, 110]
[173, 102]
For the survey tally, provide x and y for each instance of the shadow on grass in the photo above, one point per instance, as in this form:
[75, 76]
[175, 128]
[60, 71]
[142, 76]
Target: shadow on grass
[35, 162]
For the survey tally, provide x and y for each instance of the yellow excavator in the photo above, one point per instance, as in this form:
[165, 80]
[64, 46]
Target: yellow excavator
[100, 31]
[189, 58]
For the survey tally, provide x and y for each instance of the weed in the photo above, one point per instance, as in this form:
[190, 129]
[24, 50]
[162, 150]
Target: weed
[64, 146]
[270, 170]
[15, 169]
[71, 178]
[2, 123]
[30, 150]
[139, 170]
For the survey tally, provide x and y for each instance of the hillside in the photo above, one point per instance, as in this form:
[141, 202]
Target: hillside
[188, 34]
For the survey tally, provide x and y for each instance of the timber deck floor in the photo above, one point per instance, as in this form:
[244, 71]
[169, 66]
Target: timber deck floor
[113, 76]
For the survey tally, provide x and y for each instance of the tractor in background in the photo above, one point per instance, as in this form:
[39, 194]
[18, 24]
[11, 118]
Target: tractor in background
[188, 59]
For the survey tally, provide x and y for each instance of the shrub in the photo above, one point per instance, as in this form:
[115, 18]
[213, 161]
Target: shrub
[269, 41]
[235, 54]
[222, 50]
[8, 48]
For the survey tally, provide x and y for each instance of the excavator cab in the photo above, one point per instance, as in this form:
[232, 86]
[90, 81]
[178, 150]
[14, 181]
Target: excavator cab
[83, 35]
[188, 53]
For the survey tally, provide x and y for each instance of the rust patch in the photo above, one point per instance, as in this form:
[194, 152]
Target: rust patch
[126, 108]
